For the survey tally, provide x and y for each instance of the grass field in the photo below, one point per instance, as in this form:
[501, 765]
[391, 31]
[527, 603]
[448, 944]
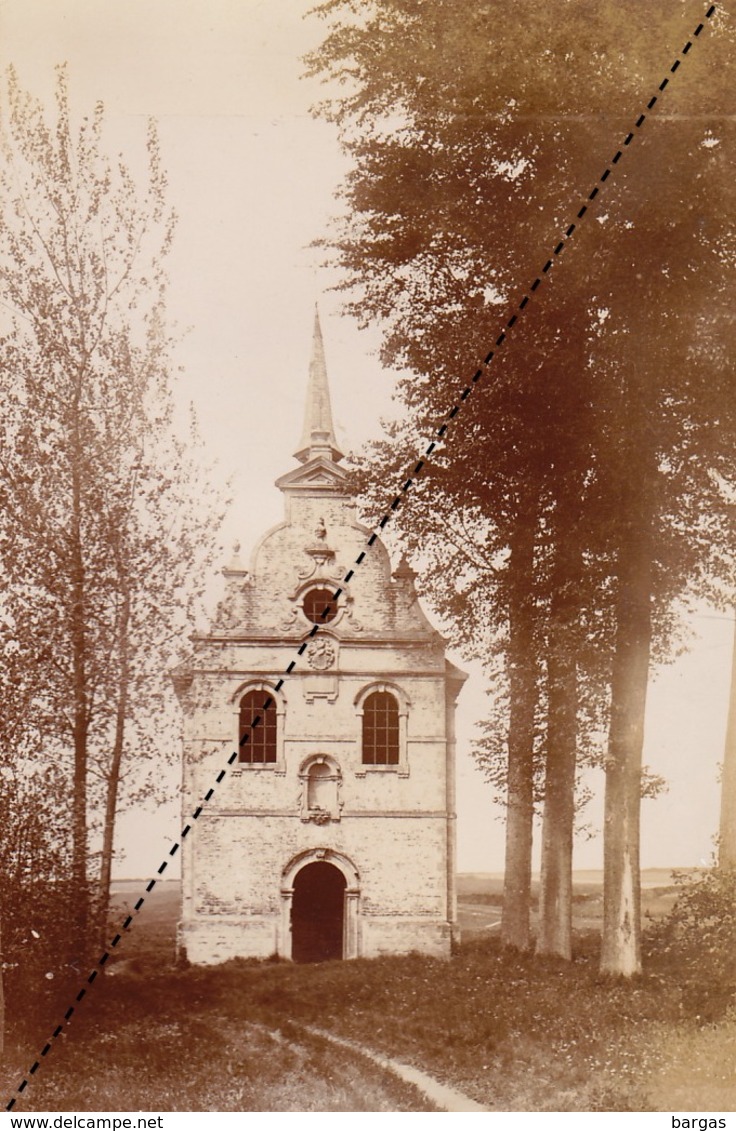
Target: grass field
[480, 896]
[512, 1032]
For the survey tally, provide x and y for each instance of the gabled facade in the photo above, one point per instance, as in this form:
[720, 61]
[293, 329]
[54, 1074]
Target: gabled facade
[333, 835]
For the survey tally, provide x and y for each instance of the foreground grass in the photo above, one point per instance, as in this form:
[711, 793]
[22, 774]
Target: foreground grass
[697, 1068]
[157, 1053]
[515, 1033]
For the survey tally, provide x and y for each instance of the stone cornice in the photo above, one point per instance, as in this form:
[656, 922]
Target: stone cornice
[389, 640]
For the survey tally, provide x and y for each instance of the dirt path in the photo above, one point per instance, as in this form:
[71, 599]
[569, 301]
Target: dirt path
[444, 1097]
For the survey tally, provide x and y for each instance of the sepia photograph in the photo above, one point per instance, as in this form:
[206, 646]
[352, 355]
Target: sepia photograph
[367, 558]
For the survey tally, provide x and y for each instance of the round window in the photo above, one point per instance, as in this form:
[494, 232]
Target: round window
[320, 606]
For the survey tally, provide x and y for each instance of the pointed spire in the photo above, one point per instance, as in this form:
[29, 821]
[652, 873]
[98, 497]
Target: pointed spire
[318, 435]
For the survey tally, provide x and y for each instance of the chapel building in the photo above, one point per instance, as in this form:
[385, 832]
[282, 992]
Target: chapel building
[333, 833]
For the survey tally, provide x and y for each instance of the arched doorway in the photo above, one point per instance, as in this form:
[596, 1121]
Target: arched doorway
[290, 939]
[318, 913]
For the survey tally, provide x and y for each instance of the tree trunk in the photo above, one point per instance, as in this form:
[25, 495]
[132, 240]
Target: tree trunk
[2, 995]
[621, 950]
[520, 772]
[80, 717]
[554, 935]
[113, 777]
[555, 890]
[727, 828]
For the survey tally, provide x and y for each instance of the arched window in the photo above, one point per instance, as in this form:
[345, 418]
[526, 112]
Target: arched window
[259, 724]
[380, 730]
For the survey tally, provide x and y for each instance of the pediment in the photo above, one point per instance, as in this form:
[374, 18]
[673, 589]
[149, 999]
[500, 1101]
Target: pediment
[319, 474]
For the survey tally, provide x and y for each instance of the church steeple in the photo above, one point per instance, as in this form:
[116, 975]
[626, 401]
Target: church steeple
[318, 435]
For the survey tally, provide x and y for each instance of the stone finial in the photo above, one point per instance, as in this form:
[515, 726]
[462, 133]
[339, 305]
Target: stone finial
[403, 571]
[235, 567]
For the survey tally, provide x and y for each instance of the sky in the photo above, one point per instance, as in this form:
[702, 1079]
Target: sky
[253, 176]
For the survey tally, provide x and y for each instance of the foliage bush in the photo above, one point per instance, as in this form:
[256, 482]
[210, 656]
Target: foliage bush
[698, 940]
[36, 904]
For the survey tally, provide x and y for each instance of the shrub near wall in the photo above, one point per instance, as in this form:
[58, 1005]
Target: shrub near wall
[697, 942]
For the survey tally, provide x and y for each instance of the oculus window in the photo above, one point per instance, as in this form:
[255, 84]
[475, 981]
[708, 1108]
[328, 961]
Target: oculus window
[320, 606]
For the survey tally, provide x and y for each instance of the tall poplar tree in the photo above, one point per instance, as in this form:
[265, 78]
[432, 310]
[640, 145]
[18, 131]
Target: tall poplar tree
[100, 545]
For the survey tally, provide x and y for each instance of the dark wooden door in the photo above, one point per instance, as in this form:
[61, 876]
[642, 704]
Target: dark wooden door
[317, 913]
